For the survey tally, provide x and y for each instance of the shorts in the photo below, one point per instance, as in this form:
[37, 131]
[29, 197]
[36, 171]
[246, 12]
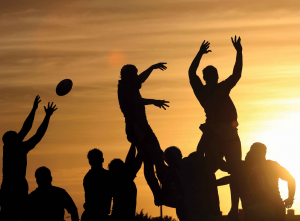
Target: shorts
[220, 141]
[140, 133]
[14, 195]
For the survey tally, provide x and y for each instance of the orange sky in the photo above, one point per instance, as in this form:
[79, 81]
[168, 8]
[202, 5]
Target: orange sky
[43, 42]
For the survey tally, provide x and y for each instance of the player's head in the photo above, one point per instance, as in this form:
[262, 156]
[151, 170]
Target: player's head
[117, 167]
[257, 153]
[43, 176]
[95, 157]
[173, 156]
[10, 137]
[129, 72]
[210, 75]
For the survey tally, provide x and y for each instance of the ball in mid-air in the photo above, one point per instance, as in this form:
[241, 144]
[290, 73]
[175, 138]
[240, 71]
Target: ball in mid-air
[64, 87]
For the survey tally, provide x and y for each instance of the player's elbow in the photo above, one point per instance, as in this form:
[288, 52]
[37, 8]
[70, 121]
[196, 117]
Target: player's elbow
[293, 181]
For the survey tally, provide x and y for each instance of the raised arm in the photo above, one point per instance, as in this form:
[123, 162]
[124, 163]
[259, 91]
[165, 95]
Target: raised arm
[285, 175]
[29, 120]
[35, 139]
[195, 81]
[144, 75]
[130, 158]
[237, 70]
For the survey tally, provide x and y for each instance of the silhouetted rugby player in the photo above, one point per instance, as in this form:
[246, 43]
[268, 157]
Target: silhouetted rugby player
[49, 202]
[138, 130]
[124, 188]
[189, 185]
[258, 186]
[14, 186]
[220, 137]
[97, 186]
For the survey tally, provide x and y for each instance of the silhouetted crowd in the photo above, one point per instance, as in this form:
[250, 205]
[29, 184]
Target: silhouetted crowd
[187, 184]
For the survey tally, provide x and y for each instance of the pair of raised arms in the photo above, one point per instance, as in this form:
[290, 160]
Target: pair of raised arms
[203, 50]
[49, 110]
[236, 43]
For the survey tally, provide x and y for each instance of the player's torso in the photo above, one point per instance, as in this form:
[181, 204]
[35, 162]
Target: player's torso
[218, 105]
[130, 101]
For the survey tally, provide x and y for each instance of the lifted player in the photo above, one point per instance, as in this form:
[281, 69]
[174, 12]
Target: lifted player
[138, 130]
[220, 137]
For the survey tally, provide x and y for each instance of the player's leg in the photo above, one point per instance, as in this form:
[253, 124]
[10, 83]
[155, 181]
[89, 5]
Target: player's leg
[152, 180]
[233, 154]
[204, 142]
[149, 148]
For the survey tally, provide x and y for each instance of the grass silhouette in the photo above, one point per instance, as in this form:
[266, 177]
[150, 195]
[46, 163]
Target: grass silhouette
[145, 217]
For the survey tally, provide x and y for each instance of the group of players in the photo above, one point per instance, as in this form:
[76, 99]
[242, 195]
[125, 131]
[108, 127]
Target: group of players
[187, 184]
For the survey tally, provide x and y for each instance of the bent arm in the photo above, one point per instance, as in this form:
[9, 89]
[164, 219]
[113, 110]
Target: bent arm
[292, 188]
[27, 124]
[285, 175]
[144, 75]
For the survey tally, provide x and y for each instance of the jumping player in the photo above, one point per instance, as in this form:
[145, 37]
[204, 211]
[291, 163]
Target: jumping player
[138, 131]
[220, 137]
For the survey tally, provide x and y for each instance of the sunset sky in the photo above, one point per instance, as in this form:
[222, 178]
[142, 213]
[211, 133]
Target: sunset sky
[43, 42]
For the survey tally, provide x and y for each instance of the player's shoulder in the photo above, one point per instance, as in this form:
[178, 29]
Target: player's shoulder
[58, 189]
[34, 193]
[272, 162]
[106, 173]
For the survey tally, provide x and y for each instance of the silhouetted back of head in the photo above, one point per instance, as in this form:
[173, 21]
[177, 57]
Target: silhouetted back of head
[173, 156]
[10, 137]
[129, 73]
[210, 75]
[257, 153]
[95, 157]
[43, 176]
[117, 167]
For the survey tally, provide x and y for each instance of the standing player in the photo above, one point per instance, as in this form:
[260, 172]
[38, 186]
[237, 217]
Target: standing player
[97, 187]
[49, 202]
[14, 186]
[220, 137]
[258, 185]
[138, 130]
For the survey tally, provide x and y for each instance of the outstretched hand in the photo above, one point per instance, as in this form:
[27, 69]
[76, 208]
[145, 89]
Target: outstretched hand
[36, 102]
[161, 103]
[204, 47]
[237, 43]
[50, 109]
[288, 202]
[160, 66]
